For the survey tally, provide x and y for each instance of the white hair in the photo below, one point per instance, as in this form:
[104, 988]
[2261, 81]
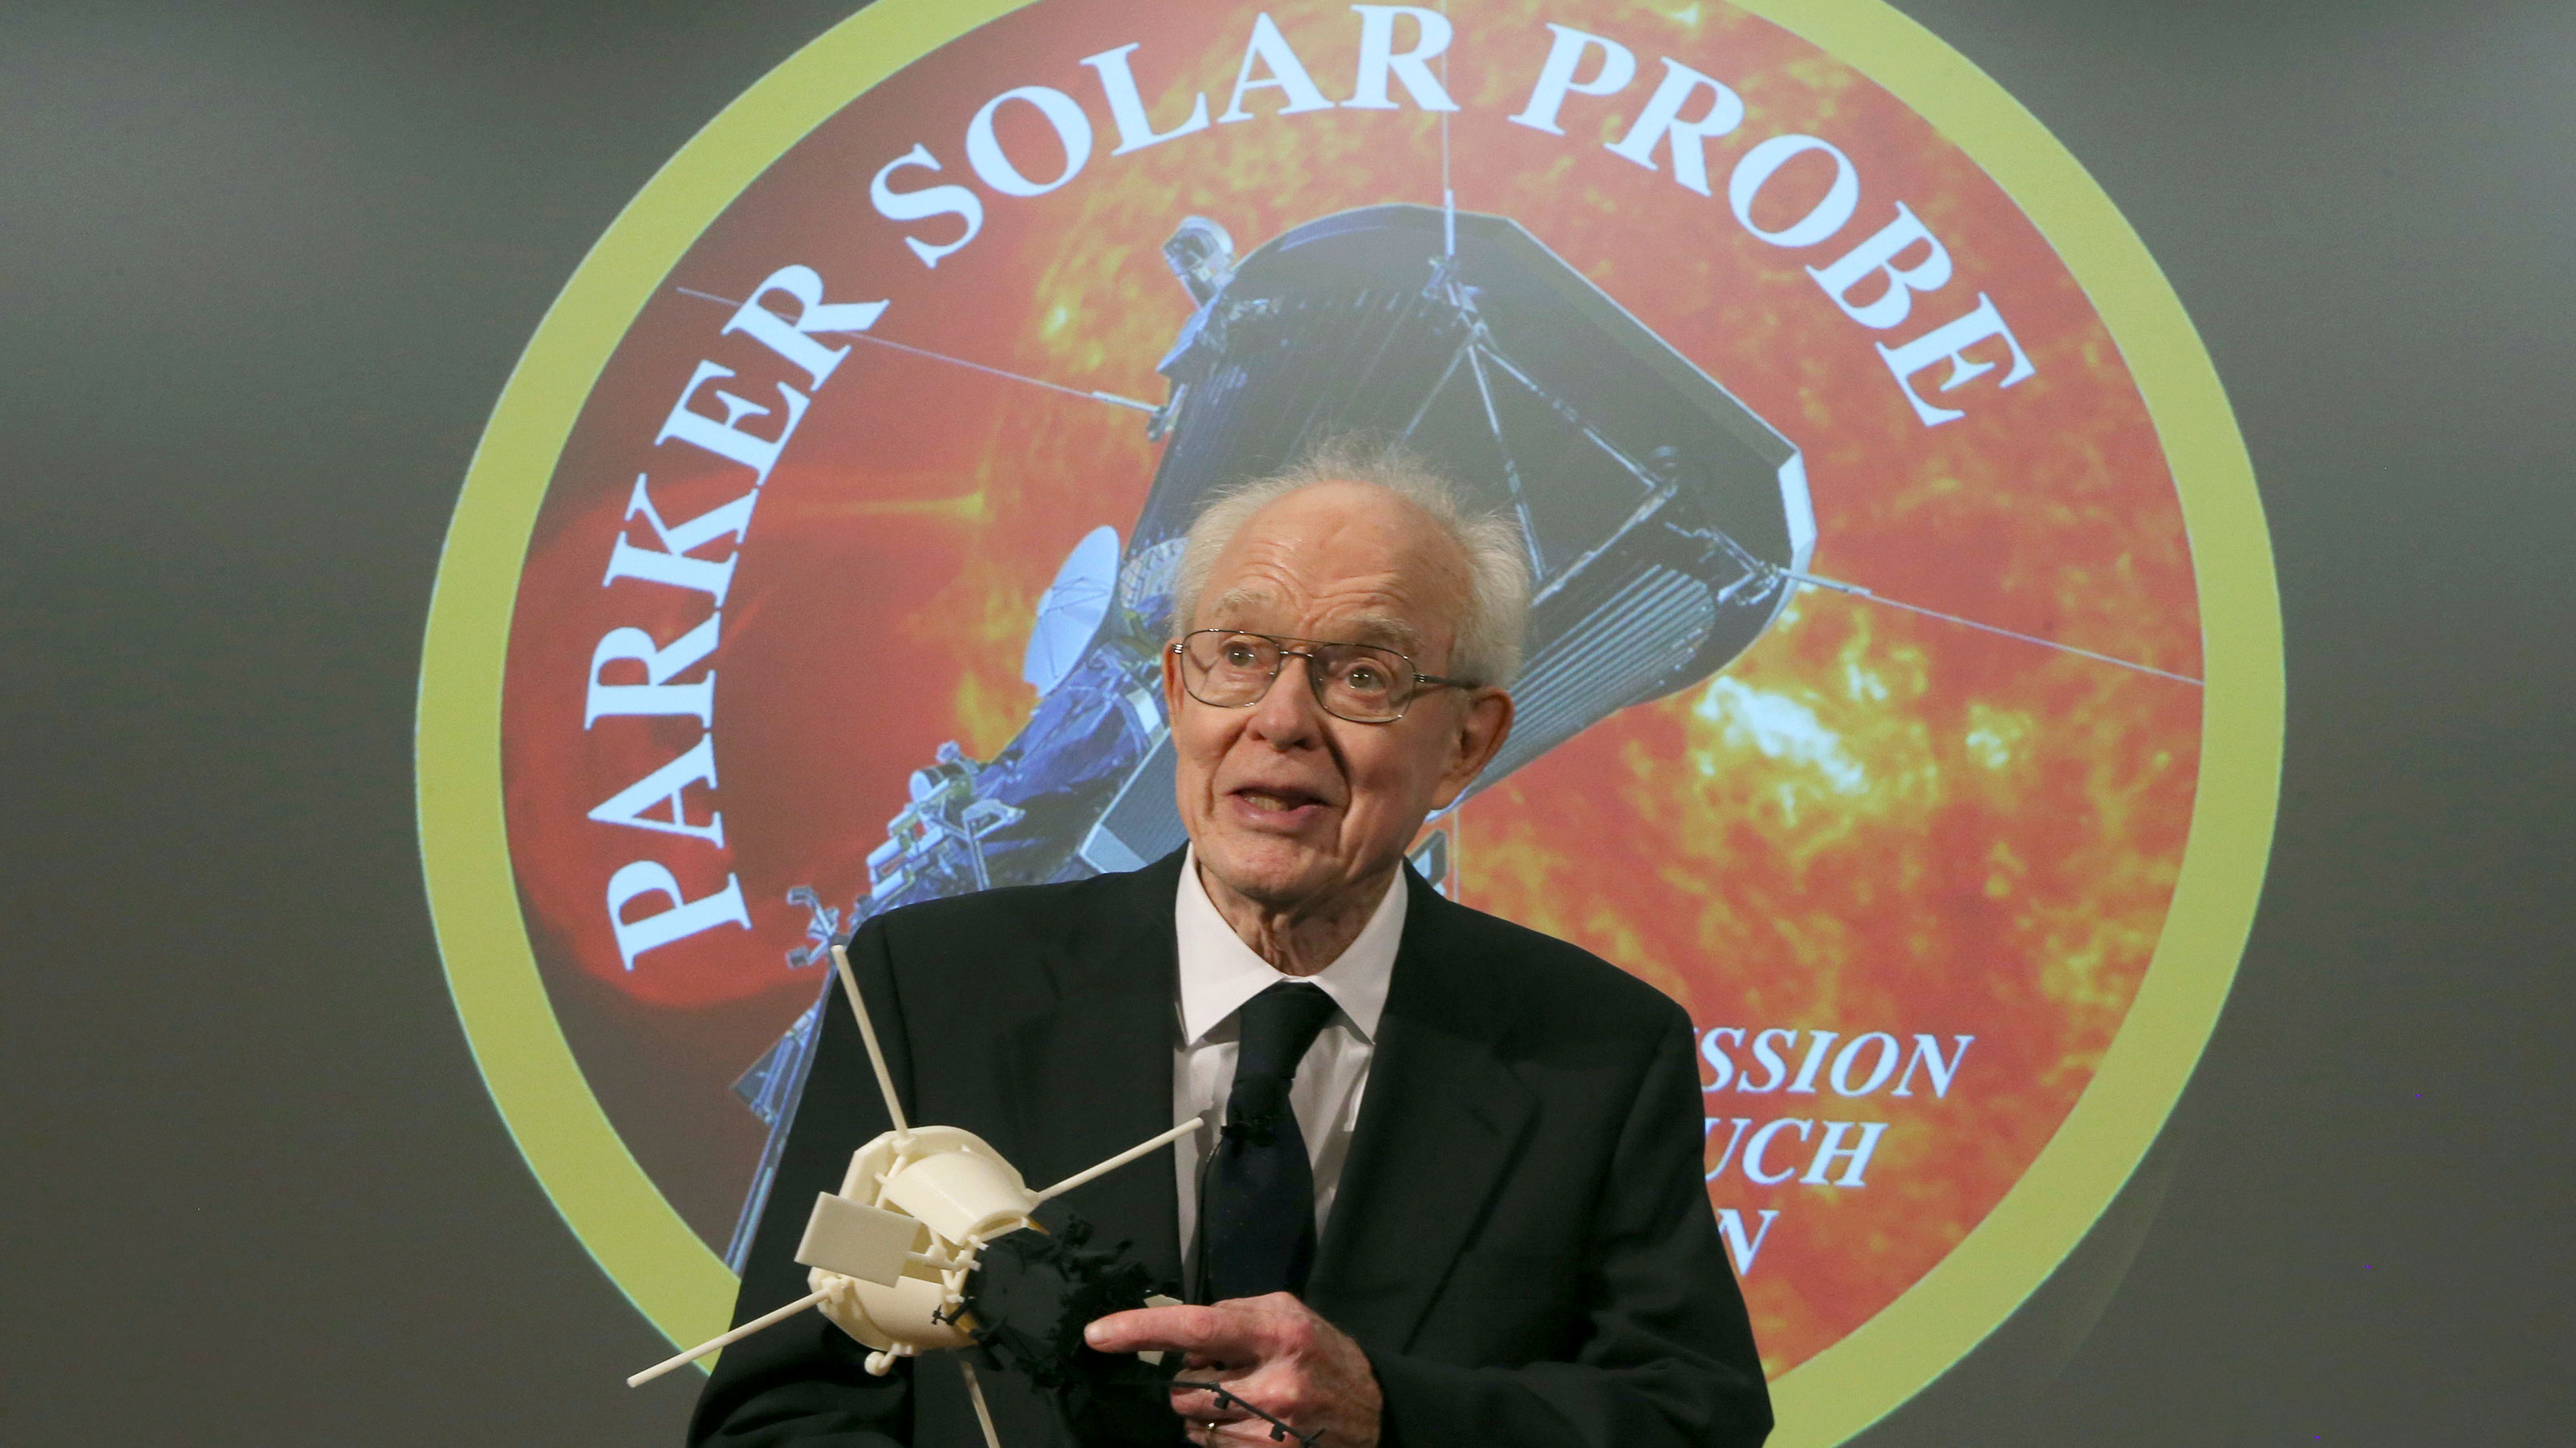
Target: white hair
[1488, 646]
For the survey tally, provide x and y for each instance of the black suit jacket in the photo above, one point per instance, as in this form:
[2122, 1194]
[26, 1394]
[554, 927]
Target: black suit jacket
[1522, 1241]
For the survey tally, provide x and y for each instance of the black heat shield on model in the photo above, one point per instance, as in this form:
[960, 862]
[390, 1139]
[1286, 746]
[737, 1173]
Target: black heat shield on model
[1029, 1303]
[1659, 513]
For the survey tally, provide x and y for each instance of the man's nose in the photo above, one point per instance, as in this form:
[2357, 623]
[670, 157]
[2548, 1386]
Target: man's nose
[1288, 716]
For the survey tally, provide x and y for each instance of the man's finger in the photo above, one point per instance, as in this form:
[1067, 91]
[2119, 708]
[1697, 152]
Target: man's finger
[1201, 1404]
[1204, 1408]
[1215, 1332]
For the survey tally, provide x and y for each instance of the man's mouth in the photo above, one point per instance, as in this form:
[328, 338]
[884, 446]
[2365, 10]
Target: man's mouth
[1277, 800]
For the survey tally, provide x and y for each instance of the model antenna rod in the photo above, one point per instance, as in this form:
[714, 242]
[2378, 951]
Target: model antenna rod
[736, 1335]
[1836, 586]
[975, 1393]
[1112, 398]
[868, 1033]
[1121, 1159]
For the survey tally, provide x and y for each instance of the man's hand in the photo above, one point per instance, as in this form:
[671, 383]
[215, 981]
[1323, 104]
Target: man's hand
[1272, 1352]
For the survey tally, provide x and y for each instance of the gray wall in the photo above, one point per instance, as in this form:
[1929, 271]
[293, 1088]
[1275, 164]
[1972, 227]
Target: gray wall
[262, 275]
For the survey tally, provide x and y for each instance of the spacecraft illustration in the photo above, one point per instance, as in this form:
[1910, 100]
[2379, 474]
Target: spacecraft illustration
[1666, 525]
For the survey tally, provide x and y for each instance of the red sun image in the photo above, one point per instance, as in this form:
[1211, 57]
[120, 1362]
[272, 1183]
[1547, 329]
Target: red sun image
[1905, 856]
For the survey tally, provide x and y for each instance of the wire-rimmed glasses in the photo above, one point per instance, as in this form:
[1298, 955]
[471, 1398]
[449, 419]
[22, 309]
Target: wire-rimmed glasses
[1229, 669]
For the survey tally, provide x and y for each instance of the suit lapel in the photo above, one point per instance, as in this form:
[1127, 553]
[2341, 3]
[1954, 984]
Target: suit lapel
[1093, 1074]
[1441, 1121]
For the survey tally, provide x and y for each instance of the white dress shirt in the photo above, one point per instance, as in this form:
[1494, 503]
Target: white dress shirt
[1218, 974]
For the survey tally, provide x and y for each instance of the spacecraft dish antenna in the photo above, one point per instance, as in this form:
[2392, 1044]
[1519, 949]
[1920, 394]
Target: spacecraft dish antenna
[1071, 609]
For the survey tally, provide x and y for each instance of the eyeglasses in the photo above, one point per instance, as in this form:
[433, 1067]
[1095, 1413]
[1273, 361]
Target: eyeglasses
[1359, 682]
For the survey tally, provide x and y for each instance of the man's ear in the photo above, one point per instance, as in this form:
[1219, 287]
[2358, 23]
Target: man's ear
[1484, 722]
[1171, 686]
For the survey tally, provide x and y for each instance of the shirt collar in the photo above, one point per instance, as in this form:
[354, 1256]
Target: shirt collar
[1219, 972]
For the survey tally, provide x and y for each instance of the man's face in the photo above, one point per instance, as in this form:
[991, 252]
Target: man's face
[1287, 805]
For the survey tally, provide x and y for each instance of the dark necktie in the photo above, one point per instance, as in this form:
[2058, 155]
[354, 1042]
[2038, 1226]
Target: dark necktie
[1257, 1223]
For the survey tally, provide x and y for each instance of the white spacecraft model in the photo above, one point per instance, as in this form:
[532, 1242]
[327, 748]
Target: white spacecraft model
[890, 1252]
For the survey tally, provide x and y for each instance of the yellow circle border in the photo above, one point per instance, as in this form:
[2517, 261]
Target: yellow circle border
[686, 1291]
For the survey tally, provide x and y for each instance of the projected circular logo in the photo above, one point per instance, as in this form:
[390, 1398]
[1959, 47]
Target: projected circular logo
[1904, 691]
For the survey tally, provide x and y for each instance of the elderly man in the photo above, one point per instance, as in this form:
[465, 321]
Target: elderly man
[1457, 1195]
